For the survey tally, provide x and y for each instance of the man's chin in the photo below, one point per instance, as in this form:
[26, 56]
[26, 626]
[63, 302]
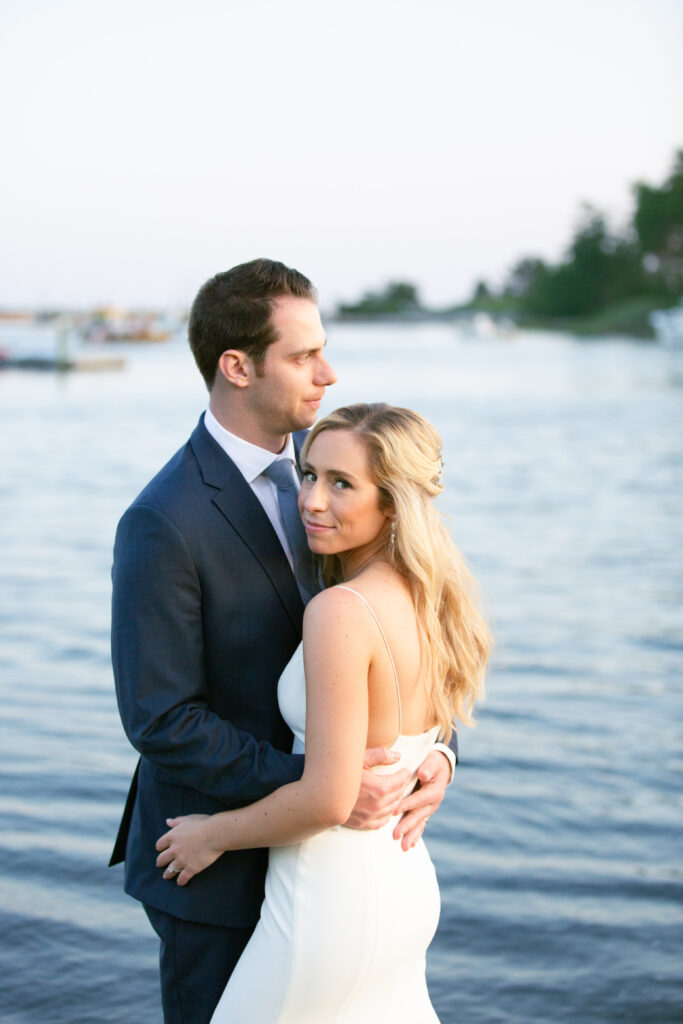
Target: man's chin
[306, 419]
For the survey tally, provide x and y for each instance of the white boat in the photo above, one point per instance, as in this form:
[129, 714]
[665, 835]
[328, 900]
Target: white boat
[668, 326]
[52, 346]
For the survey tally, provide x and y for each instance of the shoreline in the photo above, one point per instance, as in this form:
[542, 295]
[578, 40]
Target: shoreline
[626, 319]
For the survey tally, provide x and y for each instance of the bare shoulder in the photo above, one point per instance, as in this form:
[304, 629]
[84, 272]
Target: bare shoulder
[381, 587]
[333, 609]
[338, 638]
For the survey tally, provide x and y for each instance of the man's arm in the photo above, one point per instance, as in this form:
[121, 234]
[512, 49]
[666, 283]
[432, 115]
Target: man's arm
[159, 668]
[433, 777]
[450, 751]
[379, 797]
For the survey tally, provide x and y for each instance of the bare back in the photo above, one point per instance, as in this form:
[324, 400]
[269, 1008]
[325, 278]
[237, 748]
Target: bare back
[388, 595]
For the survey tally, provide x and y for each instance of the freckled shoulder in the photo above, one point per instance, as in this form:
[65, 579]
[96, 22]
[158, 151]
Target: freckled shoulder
[334, 609]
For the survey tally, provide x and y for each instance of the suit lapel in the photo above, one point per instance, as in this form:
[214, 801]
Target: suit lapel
[233, 496]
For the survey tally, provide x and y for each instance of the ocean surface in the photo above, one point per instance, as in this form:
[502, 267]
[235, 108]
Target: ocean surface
[559, 848]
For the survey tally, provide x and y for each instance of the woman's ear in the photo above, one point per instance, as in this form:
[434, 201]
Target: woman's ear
[236, 367]
[386, 505]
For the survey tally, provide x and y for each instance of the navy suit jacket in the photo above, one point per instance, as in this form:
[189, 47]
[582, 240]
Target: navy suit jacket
[206, 613]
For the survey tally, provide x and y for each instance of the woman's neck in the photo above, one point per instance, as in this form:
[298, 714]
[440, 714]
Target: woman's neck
[353, 563]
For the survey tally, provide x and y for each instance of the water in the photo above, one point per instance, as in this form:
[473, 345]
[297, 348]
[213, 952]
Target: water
[559, 846]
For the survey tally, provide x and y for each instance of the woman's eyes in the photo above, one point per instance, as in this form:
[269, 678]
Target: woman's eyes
[339, 482]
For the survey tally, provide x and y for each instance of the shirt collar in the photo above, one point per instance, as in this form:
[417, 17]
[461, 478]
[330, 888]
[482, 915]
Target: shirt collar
[249, 458]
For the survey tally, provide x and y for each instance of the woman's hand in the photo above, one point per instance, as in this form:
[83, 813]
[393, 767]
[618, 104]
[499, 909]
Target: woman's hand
[187, 848]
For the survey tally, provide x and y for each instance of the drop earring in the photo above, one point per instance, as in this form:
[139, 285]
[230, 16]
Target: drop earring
[392, 537]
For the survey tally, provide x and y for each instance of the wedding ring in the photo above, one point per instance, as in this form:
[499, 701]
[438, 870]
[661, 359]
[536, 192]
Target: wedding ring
[172, 868]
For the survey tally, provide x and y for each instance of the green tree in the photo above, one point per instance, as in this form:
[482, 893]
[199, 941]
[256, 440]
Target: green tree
[658, 222]
[397, 297]
[521, 280]
[481, 293]
[599, 268]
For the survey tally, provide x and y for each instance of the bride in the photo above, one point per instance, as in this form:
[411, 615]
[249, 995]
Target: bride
[394, 650]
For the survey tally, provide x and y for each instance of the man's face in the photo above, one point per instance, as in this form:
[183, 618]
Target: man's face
[286, 394]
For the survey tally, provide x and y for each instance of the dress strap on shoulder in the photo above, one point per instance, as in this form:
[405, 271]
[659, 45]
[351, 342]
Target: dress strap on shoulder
[341, 586]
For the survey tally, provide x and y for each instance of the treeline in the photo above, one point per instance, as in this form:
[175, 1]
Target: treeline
[603, 267]
[618, 276]
[397, 298]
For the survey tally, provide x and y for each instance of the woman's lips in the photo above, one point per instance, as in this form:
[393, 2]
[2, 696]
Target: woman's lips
[315, 527]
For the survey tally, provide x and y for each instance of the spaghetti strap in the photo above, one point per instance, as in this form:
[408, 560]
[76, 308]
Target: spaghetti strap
[340, 586]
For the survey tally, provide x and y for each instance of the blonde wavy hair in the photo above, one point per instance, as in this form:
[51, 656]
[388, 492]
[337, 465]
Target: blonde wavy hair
[404, 458]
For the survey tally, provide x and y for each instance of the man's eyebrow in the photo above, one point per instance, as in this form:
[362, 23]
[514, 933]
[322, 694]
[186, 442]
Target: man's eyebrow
[309, 348]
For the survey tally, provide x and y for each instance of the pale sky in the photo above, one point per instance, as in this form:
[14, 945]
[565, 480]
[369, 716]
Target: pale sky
[151, 143]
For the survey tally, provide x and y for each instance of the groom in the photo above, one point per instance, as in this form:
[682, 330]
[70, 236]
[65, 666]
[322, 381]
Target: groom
[206, 614]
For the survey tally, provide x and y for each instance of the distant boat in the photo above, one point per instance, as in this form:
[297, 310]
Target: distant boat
[99, 332]
[111, 324]
[50, 348]
[140, 334]
[482, 326]
[668, 326]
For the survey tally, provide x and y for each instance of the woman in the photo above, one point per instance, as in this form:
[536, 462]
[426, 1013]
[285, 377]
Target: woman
[393, 651]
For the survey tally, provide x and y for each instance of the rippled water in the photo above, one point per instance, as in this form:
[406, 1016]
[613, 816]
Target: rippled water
[559, 847]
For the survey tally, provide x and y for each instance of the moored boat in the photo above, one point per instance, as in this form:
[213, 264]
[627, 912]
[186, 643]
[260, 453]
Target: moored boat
[668, 326]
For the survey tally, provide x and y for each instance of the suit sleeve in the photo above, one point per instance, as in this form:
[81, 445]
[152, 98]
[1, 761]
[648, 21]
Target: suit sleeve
[450, 752]
[159, 669]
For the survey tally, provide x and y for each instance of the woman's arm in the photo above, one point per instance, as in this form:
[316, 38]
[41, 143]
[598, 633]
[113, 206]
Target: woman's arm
[337, 654]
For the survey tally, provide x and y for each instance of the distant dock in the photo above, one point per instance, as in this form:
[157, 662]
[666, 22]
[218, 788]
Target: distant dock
[88, 363]
[53, 352]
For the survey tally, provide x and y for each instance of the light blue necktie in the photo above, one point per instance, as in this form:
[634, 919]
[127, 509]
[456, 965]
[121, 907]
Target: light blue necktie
[282, 475]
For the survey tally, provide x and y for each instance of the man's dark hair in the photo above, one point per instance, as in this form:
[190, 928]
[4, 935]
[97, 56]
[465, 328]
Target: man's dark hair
[233, 310]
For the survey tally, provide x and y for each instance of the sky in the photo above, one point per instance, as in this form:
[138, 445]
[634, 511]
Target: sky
[149, 144]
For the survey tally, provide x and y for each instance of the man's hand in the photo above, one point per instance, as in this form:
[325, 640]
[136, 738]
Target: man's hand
[379, 795]
[433, 775]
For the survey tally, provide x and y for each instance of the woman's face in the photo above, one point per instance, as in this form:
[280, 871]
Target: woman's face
[339, 502]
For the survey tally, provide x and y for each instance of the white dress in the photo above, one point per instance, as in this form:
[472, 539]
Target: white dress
[347, 915]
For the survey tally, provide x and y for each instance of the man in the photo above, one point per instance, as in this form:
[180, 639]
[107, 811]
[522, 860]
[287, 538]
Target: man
[206, 614]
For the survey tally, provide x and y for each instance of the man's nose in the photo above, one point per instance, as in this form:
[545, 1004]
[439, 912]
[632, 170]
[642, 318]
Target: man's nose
[324, 374]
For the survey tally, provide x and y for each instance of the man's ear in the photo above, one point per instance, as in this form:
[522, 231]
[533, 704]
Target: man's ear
[236, 367]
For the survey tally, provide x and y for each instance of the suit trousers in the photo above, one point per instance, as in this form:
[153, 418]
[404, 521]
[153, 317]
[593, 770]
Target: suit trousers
[196, 961]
